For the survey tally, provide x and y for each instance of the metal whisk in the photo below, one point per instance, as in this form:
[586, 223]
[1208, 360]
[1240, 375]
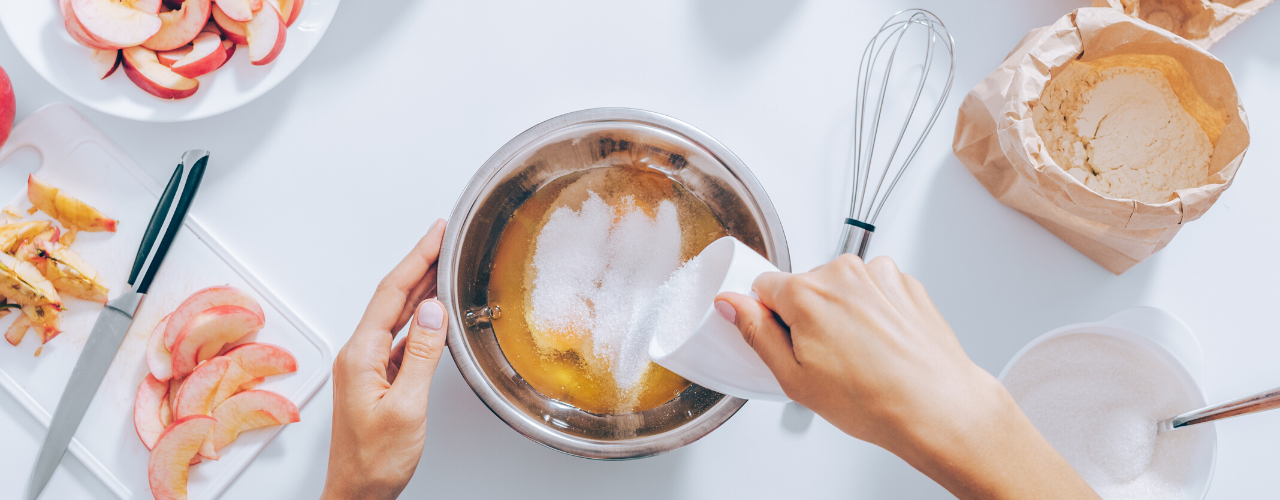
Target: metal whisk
[878, 64]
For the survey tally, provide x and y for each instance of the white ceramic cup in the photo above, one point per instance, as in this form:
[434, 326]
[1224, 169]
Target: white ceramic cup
[1171, 340]
[715, 356]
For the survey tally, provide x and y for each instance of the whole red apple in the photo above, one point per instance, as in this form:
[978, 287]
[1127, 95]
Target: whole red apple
[8, 106]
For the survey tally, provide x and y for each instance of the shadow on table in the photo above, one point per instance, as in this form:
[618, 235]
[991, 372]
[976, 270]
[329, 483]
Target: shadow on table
[739, 28]
[1000, 279]
[470, 453]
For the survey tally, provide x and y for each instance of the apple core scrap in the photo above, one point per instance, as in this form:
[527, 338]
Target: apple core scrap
[38, 268]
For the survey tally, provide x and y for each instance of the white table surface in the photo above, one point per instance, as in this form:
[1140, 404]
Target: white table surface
[349, 161]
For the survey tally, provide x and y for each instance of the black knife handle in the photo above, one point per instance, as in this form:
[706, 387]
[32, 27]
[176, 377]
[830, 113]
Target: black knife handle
[157, 222]
[175, 224]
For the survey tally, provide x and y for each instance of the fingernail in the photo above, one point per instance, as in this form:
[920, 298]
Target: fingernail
[430, 315]
[727, 310]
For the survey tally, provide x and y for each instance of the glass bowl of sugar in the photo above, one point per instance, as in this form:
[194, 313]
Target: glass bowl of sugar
[551, 256]
[1096, 391]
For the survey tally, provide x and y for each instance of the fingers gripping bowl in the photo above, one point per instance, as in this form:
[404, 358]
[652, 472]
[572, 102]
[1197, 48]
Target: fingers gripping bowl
[561, 146]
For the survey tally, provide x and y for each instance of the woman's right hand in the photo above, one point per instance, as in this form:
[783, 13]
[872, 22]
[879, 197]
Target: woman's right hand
[863, 346]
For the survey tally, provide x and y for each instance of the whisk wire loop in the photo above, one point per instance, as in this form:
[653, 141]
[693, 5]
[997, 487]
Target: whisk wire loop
[870, 191]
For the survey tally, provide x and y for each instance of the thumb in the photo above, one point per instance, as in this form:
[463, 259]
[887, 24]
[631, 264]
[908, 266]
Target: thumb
[422, 350]
[762, 330]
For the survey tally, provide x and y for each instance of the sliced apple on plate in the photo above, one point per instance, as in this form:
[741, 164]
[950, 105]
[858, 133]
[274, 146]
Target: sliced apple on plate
[207, 54]
[232, 29]
[266, 34]
[171, 458]
[179, 27]
[145, 70]
[105, 62]
[115, 23]
[66, 209]
[169, 57]
[205, 334]
[246, 411]
[147, 408]
[203, 300]
[289, 10]
[237, 10]
[230, 48]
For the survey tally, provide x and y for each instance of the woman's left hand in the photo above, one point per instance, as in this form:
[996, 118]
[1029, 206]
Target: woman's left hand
[380, 392]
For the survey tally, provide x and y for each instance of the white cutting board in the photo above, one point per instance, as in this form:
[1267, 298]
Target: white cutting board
[76, 157]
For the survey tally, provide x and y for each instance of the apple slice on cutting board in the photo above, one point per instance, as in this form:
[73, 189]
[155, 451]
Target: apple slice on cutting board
[202, 301]
[147, 406]
[246, 411]
[171, 458]
[252, 362]
[169, 57]
[208, 332]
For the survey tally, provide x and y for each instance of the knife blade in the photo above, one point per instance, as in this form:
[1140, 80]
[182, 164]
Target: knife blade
[113, 323]
[108, 332]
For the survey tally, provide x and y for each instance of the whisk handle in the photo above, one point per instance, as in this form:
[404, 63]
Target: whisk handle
[856, 237]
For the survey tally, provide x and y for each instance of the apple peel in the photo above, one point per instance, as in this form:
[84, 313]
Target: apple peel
[171, 458]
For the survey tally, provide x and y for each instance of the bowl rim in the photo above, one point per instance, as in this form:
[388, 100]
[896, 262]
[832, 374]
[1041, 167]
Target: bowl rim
[1170, 339]
[465, 360]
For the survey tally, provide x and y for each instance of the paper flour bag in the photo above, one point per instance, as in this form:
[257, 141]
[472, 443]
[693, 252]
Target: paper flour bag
[1203, 22]
[998, 141]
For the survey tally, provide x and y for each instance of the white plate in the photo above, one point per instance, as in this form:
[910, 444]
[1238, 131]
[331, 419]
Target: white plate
[76, 156]
[36, 28]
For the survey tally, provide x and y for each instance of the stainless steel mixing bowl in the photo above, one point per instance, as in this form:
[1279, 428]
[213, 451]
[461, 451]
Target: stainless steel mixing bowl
[556, 147]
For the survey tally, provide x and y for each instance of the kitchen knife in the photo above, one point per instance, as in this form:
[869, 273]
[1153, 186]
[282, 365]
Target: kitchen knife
[114, 321]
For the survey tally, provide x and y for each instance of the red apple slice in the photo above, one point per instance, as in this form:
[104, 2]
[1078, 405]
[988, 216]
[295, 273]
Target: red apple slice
[203, 300]
[175, 384]
[166, 409]
[146, 410]
[105, 62]
[195, 397]
[237, 10]
[116, 24]
[169, 57]
[249, 362]
[251, 384]
[232, 29]
[171, 457]
[245, 411]
[148, 6]
[206, 55]
[78, 33]
[180, 27]
[230, 48]
[266, 36]
[158, 358]
[289, 10]
[215, 327]
[145, 70]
